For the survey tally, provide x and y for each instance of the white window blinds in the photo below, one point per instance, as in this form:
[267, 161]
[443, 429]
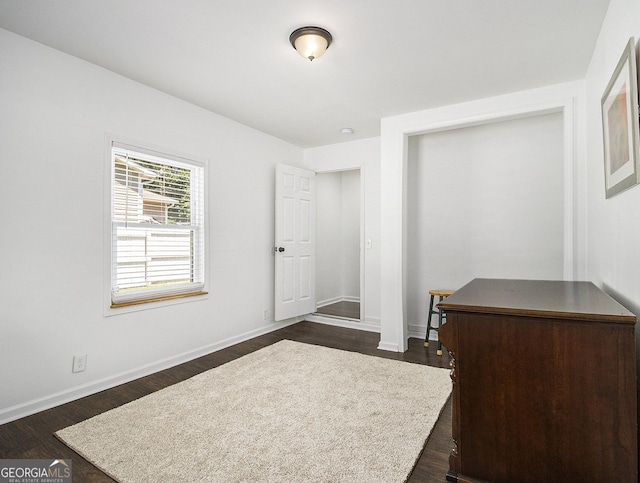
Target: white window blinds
[157, 225]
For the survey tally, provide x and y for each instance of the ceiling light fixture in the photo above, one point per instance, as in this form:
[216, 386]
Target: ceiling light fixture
[310, 42]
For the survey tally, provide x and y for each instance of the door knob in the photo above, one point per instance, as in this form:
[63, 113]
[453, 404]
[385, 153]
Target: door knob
[281, 249]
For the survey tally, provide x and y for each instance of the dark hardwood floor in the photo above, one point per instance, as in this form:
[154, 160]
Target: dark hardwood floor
[347, 310]
[32, 436]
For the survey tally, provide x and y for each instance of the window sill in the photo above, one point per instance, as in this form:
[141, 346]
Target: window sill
[157, 299]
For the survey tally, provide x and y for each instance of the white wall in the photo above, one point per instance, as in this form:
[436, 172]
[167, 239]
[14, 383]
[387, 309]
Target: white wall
[363, 155]
[613, 224]
[338, 237]
[483, 201]
[54, 113]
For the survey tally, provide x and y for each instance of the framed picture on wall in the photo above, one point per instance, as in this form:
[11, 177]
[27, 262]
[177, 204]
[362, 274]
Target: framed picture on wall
[620, 125]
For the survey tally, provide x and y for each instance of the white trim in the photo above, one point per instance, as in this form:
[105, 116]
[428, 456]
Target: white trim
[336, 300]
[418, 331]
[36, 405]
[340, 322]
[350, 299]
[324, 303]
[389, 346]
[395, 132]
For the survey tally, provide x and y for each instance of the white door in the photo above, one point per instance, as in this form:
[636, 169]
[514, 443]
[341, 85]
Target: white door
[295, 283]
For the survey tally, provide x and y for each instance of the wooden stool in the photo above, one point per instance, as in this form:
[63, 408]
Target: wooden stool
[441, 294]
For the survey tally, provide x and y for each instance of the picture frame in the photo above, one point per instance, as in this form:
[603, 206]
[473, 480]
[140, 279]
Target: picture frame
[620, 125]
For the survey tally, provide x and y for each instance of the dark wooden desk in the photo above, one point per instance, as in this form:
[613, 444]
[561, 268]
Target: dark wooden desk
[544, 379]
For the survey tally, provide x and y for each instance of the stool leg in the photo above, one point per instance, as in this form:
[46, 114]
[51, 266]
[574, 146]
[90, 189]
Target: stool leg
[426, 339]
[439, 351]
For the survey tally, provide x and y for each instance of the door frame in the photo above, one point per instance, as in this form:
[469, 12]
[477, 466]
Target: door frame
[395, 131]
[361, 323]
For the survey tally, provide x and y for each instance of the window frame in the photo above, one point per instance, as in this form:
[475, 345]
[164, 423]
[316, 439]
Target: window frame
[161, 297]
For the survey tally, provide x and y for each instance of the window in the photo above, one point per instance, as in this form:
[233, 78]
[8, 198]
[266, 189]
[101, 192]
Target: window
[157, 226]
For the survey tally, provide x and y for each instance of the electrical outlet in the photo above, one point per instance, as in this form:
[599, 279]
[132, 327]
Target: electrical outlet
[79, 363]
[265, 314]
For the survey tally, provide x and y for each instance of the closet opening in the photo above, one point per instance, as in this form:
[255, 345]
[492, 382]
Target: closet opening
[338, 245]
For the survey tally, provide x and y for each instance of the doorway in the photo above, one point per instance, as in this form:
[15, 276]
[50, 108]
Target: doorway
[338, 274]
[394, 146]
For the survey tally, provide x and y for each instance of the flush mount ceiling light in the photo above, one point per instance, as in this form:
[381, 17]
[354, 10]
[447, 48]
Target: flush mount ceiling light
[310, 42]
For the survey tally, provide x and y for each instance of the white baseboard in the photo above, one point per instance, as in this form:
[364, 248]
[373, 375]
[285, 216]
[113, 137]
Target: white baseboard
[335, 300]
[324, 303]
[351, 299]
[419, 331]
[347, 323]
[47, 402]
[388, 346]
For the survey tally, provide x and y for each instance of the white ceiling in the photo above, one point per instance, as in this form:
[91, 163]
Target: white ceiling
[388, 57]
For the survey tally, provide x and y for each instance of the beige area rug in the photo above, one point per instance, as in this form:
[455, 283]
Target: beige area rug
[290, 412]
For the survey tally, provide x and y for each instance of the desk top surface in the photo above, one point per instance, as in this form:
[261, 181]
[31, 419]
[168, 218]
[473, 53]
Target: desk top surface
[538, 298]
